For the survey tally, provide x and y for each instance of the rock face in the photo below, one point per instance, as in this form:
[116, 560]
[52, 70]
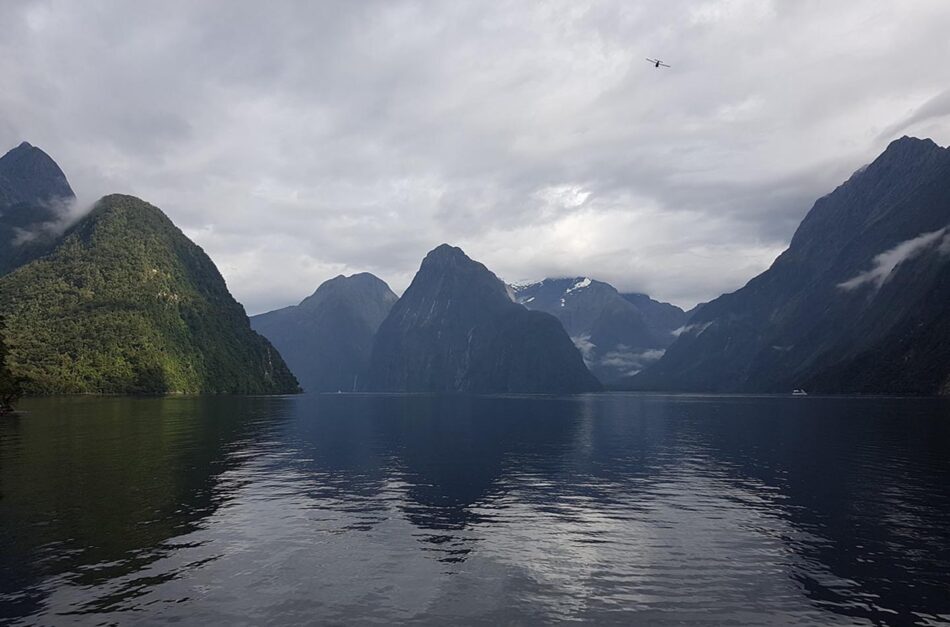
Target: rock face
[860, 301]
[327, 339]
[125, 303]
[29, 175]
[663, 319]
[33, 191]
[456, 329]
[617, 334]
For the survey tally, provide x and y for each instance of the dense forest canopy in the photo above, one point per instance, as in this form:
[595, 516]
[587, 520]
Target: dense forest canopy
[126, 303]
[9, 385]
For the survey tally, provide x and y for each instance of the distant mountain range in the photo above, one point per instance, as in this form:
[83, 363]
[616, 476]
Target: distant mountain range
[456, 329]
[618, 334]
[123, 302]
[327, 338]
[859, 303]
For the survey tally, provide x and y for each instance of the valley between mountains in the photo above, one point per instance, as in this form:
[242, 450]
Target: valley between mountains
[120, 301]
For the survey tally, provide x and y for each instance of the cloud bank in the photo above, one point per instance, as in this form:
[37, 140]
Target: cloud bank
[295, 141]
[887, 262]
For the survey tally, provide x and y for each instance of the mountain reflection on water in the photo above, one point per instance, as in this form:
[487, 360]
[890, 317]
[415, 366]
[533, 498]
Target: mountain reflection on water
[435, 509]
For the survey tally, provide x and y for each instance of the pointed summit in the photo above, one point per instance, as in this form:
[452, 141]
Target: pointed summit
[445, 253]
[446, 250]
[29, 176]
[33, 191]
[456, 330]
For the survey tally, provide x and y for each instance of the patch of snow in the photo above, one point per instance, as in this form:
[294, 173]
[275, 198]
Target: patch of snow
[520, 286]
[578, 286]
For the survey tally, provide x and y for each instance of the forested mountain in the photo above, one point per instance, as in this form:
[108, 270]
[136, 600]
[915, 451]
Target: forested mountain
[456, 328]
[860, 301]
[9, 385]
[617, 334]
[126, 303]
[33, 193]
[327, 339]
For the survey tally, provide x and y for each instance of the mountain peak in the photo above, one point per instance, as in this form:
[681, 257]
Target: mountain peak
[456, 329]
[908, 140]
[803, 323]
[362, 278]
[359, 279]
[25, 150]
[124, 207]
[447, 272]
[29, 175]
[359, 284]
[908, 147]
[445, 253]
[327, 338]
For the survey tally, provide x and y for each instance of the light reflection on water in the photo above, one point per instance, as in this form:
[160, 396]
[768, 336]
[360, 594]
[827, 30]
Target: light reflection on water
[346, 508]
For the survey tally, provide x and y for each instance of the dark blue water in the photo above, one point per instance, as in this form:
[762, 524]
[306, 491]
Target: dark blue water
[445, 510]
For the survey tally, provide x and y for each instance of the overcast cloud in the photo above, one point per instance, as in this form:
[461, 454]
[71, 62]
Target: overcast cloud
[297, 141]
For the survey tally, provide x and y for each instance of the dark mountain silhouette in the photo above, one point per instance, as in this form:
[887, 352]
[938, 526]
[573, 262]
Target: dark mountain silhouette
[860, 301]
[663, 319]
[326, 340]
[33, 192]
[456, 328]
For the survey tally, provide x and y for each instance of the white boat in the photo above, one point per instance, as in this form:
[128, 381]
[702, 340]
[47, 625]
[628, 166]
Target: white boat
[799, 392]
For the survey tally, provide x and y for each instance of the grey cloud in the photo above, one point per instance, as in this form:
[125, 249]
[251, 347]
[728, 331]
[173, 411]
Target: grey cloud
[300, 140]
[936, 107]
[886, 262]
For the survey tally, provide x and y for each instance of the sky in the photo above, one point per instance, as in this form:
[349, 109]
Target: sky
[296, 141]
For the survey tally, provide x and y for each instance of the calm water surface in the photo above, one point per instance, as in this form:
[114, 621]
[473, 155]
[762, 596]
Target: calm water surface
[359, 509]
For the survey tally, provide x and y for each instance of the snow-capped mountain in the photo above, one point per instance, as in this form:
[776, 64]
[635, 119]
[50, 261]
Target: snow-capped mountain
[618, 334]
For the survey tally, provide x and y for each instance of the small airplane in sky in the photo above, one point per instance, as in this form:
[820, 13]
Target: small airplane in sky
[657, 62]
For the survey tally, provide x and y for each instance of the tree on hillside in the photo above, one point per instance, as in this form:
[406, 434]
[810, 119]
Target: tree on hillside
[9, 385]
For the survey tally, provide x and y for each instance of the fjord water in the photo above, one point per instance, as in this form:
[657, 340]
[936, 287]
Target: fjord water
[447, 509]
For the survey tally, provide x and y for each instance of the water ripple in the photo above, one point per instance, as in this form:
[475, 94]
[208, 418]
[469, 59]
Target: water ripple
[600, 509]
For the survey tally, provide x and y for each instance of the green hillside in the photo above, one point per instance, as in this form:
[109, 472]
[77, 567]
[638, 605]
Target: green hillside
[126, 303]
[9, 386]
